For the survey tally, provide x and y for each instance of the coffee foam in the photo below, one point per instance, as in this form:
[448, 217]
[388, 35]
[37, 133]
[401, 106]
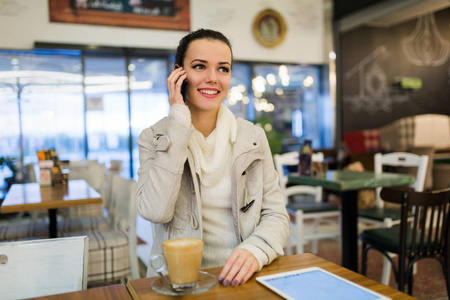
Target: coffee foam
[185, 242]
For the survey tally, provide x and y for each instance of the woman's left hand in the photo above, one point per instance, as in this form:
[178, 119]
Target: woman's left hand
[238, 268]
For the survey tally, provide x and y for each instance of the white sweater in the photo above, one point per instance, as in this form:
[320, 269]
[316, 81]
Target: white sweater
[212, 163]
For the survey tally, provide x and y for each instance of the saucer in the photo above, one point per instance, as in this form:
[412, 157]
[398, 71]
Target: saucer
[204, 283]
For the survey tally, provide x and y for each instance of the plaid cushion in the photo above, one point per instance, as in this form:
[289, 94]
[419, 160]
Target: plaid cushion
[406, 132]
[108, 255]
[92, 210]
[20, 230]
[371, 140]
[84, 223]
[398, 135]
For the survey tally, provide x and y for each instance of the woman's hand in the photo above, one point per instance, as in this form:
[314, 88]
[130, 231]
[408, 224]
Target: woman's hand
[238, 268]
[174, 82]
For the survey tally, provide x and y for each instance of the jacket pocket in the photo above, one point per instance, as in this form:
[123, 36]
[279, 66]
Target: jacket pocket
[180, 219]
[162, 142]
[254, 180]
[249, 220]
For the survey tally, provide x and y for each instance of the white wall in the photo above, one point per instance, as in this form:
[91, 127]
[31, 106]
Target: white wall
[304, 20]
[24, 22]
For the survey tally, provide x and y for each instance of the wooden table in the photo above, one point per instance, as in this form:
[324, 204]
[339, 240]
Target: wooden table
[31, 196]
[116, 292]
[141, 289]
[348, 183]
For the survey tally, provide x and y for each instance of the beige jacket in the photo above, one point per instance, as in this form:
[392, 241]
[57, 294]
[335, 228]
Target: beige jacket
[168, 192]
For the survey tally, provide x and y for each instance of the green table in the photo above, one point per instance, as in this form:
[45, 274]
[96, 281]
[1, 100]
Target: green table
[348, 183]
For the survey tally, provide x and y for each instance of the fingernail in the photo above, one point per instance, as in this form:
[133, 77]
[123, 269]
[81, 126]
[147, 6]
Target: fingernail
[242, 282]
[220, 279]
[226, 282]
[234, 283]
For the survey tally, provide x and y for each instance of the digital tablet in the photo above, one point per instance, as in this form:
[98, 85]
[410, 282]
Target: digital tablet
[318, 284]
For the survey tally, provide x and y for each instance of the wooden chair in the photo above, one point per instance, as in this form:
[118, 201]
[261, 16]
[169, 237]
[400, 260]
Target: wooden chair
[300, 211]
[426, 236]
[112, 252]
[38, 268]
[380, 216]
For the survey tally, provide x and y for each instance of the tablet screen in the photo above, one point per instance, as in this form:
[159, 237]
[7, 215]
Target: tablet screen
[316, 283]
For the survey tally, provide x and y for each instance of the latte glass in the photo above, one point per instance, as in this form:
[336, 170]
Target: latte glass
[182, 258]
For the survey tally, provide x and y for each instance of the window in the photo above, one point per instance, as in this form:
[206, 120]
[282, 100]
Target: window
[94, 104]
[239, 99]
[42, 104]
[107, 115]
[149, 97]
[291, 104]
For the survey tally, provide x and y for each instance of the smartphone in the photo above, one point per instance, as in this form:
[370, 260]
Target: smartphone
[184, 89]
[183, 86]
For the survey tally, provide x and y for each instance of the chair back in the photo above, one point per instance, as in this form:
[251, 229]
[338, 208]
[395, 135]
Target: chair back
[36, 268]
[85, 162]
[123, 215]
[107, 190]
[292, 159]
[402, 159]
[94, 174]
[428, 233]
[31, 173]
[123, 211]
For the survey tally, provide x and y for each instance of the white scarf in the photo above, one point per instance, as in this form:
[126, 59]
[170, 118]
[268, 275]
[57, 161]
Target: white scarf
[211, 154]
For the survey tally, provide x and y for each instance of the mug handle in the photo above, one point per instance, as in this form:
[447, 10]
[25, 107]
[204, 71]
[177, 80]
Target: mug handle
[158, 263]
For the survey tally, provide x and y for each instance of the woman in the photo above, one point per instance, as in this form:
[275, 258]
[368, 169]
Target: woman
[207, 174]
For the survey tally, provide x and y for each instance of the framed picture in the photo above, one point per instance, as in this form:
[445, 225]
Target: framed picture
[168, 14]
[269, 28]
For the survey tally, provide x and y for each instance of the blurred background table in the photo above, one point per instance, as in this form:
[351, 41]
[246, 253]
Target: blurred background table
[31, 196]
[348, 183]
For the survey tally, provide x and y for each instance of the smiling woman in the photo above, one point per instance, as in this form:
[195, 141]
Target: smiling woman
[213, 160]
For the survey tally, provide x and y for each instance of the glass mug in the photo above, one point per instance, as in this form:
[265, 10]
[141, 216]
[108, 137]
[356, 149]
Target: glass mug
[181, 261]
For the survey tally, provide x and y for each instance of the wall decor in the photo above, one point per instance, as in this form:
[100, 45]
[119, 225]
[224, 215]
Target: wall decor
[269, 28]
[425, 46]
[374, 93]
[168, 14]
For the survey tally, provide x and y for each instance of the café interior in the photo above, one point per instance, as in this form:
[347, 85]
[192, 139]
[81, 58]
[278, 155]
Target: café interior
[360, 88]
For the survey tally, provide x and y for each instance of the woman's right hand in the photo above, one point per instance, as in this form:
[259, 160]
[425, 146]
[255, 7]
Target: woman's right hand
[174, 82]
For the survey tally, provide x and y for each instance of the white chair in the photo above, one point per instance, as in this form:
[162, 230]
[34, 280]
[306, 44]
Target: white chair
[30, 173]
[86, 162]
[38, 268]
[94, 174]
[86, 217]
[380, 216]
[319, 212]
[112, 252]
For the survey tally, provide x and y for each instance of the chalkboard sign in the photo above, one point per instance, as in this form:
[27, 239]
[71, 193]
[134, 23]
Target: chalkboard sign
[374, 62]
[160, 14]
